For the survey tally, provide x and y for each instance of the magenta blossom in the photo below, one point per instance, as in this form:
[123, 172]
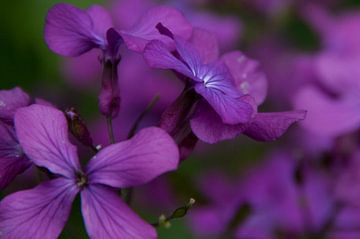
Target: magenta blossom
[12, 159]
[43, 211]
[231, 89]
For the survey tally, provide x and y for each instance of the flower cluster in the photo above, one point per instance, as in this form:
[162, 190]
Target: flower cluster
[218, 101]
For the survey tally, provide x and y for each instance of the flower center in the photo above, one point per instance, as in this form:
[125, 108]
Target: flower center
[81, 179]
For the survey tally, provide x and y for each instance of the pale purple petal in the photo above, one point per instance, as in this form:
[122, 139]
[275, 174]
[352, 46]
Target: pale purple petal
[41, 212]
[270, 126]
[43, 134]
[145, 30]
[209, 127]
[12, 159]
[147, 155]
[328, 116]
[11, 100]
[101, 20]
[248, 78]
[206, 44]
[69, 30]
[232, 110]
[107, 216]
[157, 55]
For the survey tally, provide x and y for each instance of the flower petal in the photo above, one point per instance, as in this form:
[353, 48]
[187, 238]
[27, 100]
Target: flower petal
[145, 30]
[206, 44]
[37, 213]
[43, 135]
[107, 216]
[328, 116]
[10, 101]
[69, 30]
[270, 126]
[209, 127]
[248, 79]
[148, 154]
[158, 55]
[101, 20]
[12, 159]
[232, 110]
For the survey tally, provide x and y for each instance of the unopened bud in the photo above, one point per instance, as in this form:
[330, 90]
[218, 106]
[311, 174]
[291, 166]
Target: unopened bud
[77, 127]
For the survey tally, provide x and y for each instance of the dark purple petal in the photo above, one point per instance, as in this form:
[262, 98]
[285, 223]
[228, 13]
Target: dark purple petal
[10, 101]
[69, 30]
[270, 126]
[158, 55]
[209, 127]
[148, 154]
[206, 44]
[145, 30]
[107, 216]
[12, 159]
[43, 134]
[248, 79]
[37, 213]
[231, 110]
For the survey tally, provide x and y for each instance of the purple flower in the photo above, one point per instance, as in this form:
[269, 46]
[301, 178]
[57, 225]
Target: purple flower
[12, 159]
[42, 212]
[231, 89]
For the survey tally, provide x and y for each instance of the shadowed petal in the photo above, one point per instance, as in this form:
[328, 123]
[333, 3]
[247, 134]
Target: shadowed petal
[11, 100]
[157, 55]
[69, 30]
[148, 154]
[37, 213]
[12, 159]
[43, 134]
[107, 216]
[145, 30]
[209, 127]
[270, 126]
[248, 79]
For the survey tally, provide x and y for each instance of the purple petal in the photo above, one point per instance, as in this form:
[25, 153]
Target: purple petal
[206, 44]
[148, 154]
[328, 116]
[10, 101]
[248, 79]
[219, 95]
[69, 30]
[12, 159]
[145, 30]
[107, 216]
[270, 126]
[37, 213]
[209, 127]
[43, 135]
[158, 55]
[101, 20]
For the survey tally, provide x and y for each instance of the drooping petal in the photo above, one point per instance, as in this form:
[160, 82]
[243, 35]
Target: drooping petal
[43, 134]
[209, 127]
[232, 110]
[270, 126]
[10, 101]
[248, 79]
[328, 116]
[69, 30]
[12, 159]
[157, 55]
[107, 216]
[40, 212]
[148, 154]
[145, 30]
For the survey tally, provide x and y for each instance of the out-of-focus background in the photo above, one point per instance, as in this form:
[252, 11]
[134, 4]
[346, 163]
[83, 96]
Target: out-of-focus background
[298, 43]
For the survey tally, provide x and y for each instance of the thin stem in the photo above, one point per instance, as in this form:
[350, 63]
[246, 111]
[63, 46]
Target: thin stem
[110, 130]
[137, 122]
